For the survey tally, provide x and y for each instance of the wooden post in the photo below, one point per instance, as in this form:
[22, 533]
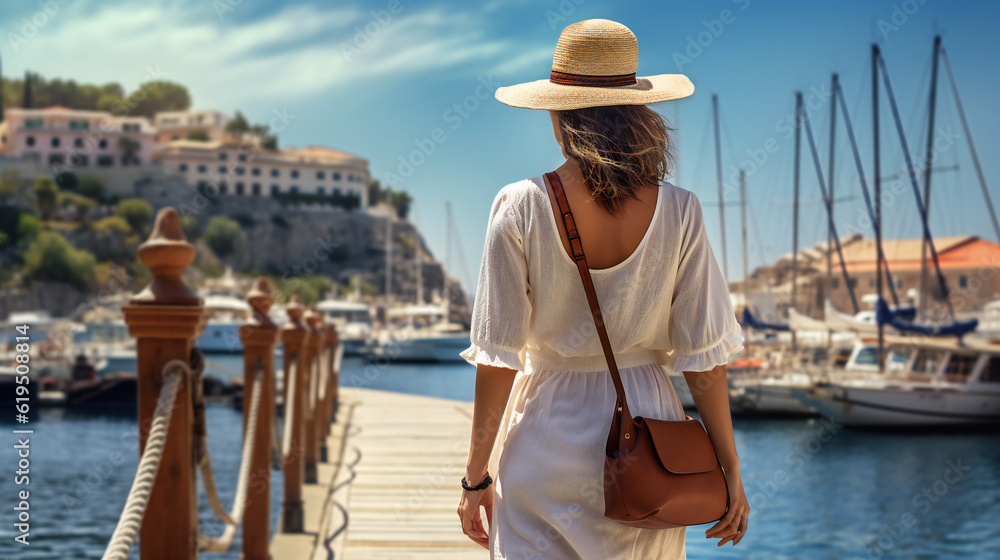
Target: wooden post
[333, 341]
[165, 318]
[315, 343]
[259, 336]
[294, 335]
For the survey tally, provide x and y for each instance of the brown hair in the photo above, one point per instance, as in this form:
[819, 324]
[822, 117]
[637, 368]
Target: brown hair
[620, 148]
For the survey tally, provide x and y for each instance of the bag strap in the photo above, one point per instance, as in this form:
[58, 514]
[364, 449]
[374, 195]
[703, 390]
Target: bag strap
[588, 286]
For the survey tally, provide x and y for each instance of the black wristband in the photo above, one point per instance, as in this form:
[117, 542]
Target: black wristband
[481, 486]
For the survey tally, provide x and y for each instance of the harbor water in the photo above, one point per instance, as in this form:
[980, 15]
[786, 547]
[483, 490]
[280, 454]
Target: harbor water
[816, 490]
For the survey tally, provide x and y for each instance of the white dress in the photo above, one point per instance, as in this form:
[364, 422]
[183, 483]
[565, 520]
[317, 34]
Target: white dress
[666, 305]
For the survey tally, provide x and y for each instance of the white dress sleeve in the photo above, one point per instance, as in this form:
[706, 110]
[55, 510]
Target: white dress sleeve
[703, 327]
[502, 308]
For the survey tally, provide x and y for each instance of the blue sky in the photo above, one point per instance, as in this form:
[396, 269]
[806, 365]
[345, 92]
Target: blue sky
[377, 78]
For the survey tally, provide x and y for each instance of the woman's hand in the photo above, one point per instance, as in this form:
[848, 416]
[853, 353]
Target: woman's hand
[468, 512]
[733, 526]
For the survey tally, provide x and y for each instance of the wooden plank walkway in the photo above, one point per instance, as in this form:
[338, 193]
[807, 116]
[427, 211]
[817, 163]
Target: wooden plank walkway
[390, 488]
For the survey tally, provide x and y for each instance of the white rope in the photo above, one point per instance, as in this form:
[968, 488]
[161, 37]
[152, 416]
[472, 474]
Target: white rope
[235, 517]
[291, 382]
[138, 498]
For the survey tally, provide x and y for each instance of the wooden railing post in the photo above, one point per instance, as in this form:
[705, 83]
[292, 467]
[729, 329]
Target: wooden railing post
[259, 336]
[330, 407]
[294, 335]
[165, 318]
[316, 337]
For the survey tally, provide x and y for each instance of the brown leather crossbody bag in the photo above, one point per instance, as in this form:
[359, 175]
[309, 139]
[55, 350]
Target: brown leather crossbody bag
[658, 474]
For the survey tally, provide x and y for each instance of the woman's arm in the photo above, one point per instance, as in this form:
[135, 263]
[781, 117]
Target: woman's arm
[710, 391]
[492, 391]
[493, 386]
[711, 395]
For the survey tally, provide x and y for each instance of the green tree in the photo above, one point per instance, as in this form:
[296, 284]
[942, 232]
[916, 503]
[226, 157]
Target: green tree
[115, 224]
[137, 212]
[51, 258]
[92, 187]
[10, 185]
[67, 181]
[157, 96]
[198, 136]
[28, 227]
[222, 236]
[129, 149]
[46, 196]
[239, 125]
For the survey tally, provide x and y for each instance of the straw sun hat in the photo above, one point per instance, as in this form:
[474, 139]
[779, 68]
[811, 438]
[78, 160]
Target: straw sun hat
[594, 66]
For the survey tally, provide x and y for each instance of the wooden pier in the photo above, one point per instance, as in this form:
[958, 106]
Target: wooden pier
[389, 489]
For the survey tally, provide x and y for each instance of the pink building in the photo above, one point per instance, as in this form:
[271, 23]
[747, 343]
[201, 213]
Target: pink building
[71, 140]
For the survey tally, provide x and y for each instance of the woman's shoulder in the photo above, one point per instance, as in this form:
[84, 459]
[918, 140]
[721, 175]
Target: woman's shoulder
[678, 199]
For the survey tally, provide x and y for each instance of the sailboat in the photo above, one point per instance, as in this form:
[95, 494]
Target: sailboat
[422, 332]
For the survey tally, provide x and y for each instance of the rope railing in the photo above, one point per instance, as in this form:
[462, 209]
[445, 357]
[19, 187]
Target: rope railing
[130, 521]
[235, 516]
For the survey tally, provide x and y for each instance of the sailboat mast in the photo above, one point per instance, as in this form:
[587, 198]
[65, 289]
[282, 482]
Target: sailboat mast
[878, 203]
[718, 174]
[419, 264]
[829, 182]
[929, 157]
[972, 145]
[795, 206]
[743, 223]
[388, 260]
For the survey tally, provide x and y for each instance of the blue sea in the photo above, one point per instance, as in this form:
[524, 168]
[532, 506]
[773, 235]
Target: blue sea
[816, 490]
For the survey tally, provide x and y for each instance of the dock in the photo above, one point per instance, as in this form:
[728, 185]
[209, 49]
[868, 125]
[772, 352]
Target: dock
[389, 487]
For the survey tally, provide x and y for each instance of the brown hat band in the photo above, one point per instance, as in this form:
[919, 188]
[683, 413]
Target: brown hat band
[565, 79]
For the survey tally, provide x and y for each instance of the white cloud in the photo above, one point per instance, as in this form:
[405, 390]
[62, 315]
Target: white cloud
[294, 52]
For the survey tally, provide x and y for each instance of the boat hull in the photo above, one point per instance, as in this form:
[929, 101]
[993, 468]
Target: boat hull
[220, 338]
[444, 349]
[887, 407]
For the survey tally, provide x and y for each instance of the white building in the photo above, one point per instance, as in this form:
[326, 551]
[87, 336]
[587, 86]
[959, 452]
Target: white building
[72, 140]
[242, 169]
[177, 125]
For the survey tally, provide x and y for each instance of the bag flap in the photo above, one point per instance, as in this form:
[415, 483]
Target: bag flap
[683, 446]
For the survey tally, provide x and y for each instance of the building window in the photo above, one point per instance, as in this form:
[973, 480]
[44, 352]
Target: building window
[223, 156]
[275, 173]
[103, 144]
[223, 187]
[55, 142]
[202, 169]
[834, 283]
[175, 137]
[320, 191]
[243, 157]
[79, 125]
[336, 176]
[853, 282]
[275, 190]
[33, 123]
[295, 174]
[963, 282]
[239, 170]
[255, 188]
[183, 167]
[239, 188]
[320, 175]
[130, 127]
[294, 189]
[57, 159]
[222, 169]
[871, 282]
[78, 143]
[255, 172]
[30, 140]
[78, 160]
[336, 192]
[105, 161]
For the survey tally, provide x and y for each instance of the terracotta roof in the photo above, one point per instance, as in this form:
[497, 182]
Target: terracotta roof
[321, 152]
[904, 254]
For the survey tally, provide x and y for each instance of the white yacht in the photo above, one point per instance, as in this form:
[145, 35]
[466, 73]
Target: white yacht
[426, 335]
[228, 310]
[928, 382]
[353, 321]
